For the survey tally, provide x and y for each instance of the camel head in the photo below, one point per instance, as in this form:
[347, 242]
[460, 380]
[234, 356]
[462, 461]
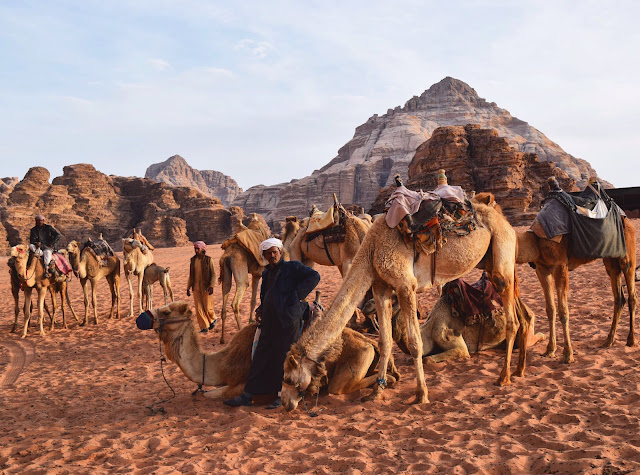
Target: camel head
[20, 251]
[298, 372]
[73, 248]
[20, 256]
[167, 317]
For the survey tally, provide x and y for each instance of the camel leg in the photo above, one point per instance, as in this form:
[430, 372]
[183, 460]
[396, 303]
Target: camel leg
[352, 376]
[169, 289]
[408, 311]
[561, 276]
[54, 304]
[42, 294]
[525, 320]
[546, 282]
[15, 291]
[242, 282]
[511, 331]
[612, 267]
[382, 297]
[116, 291]
[226, 288]
[128, 276]
[73, 312]
[94, 300]
[112, 285]
[166, 293]
[27, 310]
[629, 276]
[140, 278]
[63, 291]
[450, 341]
[255, 283]
[85, 294]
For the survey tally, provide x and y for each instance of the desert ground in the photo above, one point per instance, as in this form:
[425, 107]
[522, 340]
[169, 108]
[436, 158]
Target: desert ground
[76, 401]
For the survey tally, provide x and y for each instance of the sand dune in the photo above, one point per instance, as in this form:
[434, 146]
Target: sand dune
[76, 401]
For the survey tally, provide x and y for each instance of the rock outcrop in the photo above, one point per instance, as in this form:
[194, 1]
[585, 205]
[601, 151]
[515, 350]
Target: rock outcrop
[176, 171]
[479, 160]
[385, 145]
[84, 202]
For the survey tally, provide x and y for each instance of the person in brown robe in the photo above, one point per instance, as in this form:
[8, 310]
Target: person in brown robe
[202, 277]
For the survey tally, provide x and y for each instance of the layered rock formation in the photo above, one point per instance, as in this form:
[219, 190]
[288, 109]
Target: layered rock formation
[176, 171]
[84, 202]
[480, 160]
[385, 145]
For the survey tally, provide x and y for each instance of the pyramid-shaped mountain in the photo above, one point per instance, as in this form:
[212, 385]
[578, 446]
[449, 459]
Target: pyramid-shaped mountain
[385, 145]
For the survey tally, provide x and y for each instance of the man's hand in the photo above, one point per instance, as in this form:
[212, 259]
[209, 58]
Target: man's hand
[258, 315]
[188, 292]
[210, 290]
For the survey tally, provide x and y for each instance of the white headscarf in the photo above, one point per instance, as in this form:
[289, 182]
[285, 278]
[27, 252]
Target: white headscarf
[269, 243]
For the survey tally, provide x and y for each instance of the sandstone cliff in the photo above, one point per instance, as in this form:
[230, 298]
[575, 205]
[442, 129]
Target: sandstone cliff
[480, 160]
[176, 171]
[385, 145]
[84, 202]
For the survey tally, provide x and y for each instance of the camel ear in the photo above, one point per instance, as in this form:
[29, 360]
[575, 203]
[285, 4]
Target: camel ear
[183, 307]
[291, 361]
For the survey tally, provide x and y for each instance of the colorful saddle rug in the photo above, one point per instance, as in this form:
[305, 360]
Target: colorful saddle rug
[61, 263]
[472, 303]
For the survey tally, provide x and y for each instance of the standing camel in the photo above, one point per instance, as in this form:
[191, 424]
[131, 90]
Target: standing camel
[30, 274]
[339, 254]
[135, 262]
[553, 263]
[238, 262]
[88, 269]
[385, 262]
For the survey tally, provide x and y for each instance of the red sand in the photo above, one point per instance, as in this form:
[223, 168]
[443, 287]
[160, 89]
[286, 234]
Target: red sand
[75, 401]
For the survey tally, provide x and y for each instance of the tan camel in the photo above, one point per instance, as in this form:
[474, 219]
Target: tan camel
[30, 274]
[339, 254]
[59, 287]
[290, 229]
[237, 263]
[446, 337]
[552, 264]
[228, 368]
[152, 274]
[135, 262]
[88, 269]
[386, 263]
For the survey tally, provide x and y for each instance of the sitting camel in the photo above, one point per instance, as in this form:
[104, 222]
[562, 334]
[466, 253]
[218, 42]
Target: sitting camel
[446, 337]
[152, 274]
[385, 262]
[30, 274]
[88, 269]
[339, 254]
[553, 263]
[136, 259]
[237, 263]
[346, 369]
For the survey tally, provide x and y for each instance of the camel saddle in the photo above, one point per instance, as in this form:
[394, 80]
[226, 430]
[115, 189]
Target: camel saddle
[472, 303]
[422, 218]
[100, 249]
[61, 263]
[250, 239]
[324, 224]
[320, 221]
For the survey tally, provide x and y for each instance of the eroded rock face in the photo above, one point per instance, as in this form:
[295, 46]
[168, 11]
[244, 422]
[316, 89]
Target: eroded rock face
[385, 145]
[84, 202]
[479, 159]
[176, 171]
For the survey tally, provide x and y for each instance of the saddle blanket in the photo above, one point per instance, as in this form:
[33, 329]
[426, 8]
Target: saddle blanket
[100, 247]
[61, 263]
[250, 240]
[320, 221]
[404, 201]
[469, 301]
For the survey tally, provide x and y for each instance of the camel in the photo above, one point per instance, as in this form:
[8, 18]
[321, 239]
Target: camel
[88, 269]
[152, 274]
[30, 274]
[58, 287]
[386, 263]
[228, 368]
[237, 262]
[553, 263]
[136, 261]
[446, 337]
[290, 229]
[339, 254]
[638, 273]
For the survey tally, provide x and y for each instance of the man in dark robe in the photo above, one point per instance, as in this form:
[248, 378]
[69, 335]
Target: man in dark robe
[43, 239]
[285, 286]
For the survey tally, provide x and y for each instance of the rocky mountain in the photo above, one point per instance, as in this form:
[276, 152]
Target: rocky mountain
[84, 202]
[385, 145]
[479, 159]
[176, 171]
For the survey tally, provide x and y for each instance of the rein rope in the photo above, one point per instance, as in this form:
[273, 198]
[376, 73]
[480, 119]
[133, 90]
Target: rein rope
[315, 412]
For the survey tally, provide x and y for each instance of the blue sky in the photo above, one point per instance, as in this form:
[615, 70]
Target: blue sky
[269, 91]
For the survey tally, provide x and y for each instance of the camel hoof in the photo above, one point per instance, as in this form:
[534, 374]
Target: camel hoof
[519, 373]
[568, 359]
[420, 400]
[549, 353]
[503, 382]
[374, 396]
[631, 342]
[608, 343]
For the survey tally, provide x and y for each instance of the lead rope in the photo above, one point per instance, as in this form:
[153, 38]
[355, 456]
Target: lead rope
[153, 410]
[315, 411]
[200, 390]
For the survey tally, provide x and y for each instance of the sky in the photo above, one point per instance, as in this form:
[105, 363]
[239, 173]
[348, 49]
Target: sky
[267, 92]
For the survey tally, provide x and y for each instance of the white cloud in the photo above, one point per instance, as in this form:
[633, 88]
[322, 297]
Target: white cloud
[159, 64]
[257, 49]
